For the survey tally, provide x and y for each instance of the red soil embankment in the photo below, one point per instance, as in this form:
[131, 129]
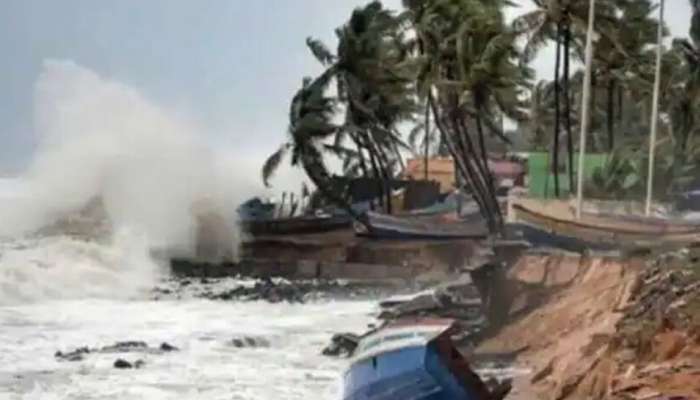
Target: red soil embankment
[577, 305]
[596, 328]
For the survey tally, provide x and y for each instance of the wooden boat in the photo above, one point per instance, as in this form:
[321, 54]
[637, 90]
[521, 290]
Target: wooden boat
[664, 224]
[413, 359]
[556, 217]
[382, 226]
[543, 239]
[296, 225]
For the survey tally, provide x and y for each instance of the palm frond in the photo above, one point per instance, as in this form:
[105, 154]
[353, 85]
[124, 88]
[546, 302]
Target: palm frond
[272, 163]
[320, 51]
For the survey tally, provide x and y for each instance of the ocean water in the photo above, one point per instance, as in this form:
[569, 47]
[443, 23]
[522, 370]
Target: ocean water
[58, 294]
[207, 366]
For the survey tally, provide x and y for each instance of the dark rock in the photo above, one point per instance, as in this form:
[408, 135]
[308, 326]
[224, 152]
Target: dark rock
[342, 344]
[248, 341]
[125, 347]
[119, 347]
[167, 347]
[159, 291]
[139, 364]
[285, 291]
[122, 364]
[75, 355]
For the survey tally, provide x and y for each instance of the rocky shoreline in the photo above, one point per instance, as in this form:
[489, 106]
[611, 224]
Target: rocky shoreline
[272, 290]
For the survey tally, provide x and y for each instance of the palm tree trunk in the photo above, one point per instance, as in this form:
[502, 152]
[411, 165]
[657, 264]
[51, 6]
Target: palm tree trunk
[620, 108]
[485, 159]
[382, 173]
[394, 148]
[557, 114]
[480, 173]
[596, 143]
[457, 151]
[490, 185]
[466, 157]
[479, 190]
[427, 136]
[611, 114]
[363, 162]
[361, 156]
[375, 169]
[386, 177]
[567, 104]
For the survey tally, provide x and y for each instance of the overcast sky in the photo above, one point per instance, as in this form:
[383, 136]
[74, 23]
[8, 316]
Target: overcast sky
[230, 65]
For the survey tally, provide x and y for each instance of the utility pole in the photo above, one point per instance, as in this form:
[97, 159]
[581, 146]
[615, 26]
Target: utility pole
[585, 117]
[655, 111]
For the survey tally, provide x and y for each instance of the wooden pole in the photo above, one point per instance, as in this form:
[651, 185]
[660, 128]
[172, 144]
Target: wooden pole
[585, 114]
[655, 112]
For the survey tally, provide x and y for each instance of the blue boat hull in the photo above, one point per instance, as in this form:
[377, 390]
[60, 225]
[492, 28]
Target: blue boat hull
[413, 373]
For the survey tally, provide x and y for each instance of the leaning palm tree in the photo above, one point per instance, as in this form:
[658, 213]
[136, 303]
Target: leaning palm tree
[468, 72]
[417, 12]
[369, 72]
[310, 128]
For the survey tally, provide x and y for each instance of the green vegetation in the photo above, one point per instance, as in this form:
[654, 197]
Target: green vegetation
[449, 72]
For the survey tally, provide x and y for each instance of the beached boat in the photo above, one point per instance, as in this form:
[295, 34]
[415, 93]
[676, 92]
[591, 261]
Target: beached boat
[296, 225]
[382, 226]
[412, 359]
[558, 218]
[540, 238]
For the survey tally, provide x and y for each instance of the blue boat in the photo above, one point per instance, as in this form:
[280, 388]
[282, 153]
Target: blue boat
[412, 360]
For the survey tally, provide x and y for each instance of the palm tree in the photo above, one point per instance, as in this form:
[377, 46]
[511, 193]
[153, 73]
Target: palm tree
[416, 14]
[470, 78]
[626, 55]
[564, 22]
[540, 117]
[687, 95]
[370, 70]
[372, 74]
[310, 126]
[677, 162]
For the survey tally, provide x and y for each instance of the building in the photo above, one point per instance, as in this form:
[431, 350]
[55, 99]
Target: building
[541, 178]
[442, 170]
